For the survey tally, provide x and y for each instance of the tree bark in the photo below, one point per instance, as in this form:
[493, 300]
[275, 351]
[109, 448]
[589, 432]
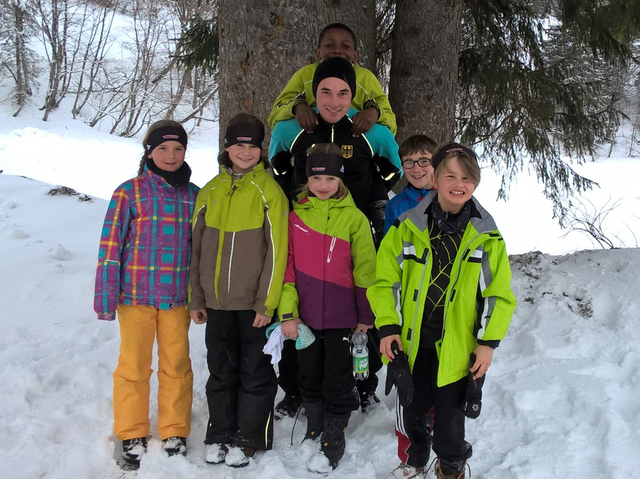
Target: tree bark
[424, 67]
[263, 43]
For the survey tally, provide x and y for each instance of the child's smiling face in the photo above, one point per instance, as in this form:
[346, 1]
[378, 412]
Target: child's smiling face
[244, 156]
[420, 177]
[324, 186]
[337, 43]
[454, 186]
[168, 156]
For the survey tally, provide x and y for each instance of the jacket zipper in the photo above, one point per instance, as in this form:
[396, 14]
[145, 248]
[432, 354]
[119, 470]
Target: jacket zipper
[415, 316]
[333, 244]
[453, 284]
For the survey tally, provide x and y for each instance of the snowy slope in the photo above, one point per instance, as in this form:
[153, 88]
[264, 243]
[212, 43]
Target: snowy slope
[561, 399]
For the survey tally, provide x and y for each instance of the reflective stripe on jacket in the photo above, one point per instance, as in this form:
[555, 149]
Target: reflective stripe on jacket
[239, 243]
[479, 302]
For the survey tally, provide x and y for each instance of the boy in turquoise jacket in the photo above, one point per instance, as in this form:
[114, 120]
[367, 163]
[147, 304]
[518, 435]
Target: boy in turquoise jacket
[442, 292]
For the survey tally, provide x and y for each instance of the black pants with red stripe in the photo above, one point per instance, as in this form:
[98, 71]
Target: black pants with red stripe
[412, 427]
[242, 384]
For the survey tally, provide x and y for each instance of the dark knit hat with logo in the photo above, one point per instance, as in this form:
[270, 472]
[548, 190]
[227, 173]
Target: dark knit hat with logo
[166, 133]
[328, 164]
[442, 152]
[244, 128]
[335, 67]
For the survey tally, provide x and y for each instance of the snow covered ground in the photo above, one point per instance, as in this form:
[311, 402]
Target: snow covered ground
[561, 399]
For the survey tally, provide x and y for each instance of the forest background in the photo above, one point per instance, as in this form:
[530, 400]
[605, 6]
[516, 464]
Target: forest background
[528, 84]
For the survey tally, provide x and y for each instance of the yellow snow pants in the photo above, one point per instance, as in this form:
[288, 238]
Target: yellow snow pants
[139, 326]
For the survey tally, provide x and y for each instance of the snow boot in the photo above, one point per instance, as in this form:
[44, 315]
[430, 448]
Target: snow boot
[332, 441]
[215, 453]
[450, 469]
[132, 451]
[175, 445]
[239, 456]
[368, 399]
[314, 409]
[405, 471]
[288, 407]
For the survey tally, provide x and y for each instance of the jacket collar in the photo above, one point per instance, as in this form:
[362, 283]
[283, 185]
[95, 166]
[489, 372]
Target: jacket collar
[344, 122]
[481, 220]
[304, 201]
[415, 194]
[249, 174]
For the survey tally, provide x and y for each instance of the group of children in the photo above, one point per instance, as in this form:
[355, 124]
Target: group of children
[249, 249]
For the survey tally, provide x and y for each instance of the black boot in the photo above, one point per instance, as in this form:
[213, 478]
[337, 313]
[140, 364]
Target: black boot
[314, 409]
[288, 407]
[332, 442]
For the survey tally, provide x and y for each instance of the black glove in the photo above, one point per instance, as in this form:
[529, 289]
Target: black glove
[399, 374]
[472, 402]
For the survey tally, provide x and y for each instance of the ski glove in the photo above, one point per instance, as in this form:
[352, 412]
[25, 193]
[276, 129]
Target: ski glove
[472, 402]
[399, 374]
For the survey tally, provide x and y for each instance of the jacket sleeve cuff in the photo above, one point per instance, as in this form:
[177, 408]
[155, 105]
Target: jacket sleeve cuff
[372, 103]
[389, 330]
[494, 343]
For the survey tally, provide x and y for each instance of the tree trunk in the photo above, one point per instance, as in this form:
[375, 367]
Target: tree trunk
[263, 43]
[22, 78]
[424, 67]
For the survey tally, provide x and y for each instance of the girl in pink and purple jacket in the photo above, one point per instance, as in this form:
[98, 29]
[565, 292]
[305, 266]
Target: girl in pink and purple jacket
[142, 277]
[331, 263]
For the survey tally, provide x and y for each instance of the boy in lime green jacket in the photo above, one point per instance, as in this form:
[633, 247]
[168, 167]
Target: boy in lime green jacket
[297, 99]
[442, 292]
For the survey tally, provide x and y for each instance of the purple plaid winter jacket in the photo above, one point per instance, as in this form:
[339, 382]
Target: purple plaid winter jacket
[145, 246]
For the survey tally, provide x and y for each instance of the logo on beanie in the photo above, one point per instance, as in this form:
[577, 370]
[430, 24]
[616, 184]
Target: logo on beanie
[244, 138]
[347, 151]
[318, 168]
[170, 137]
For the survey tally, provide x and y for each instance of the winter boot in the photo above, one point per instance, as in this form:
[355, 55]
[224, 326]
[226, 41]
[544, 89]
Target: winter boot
[288, 407]
[132, 451]
[215, 453]
[450, 469]
[239, 456]
[367, 399]
[314, 409]
[405, 471]
[332, 442]
[175, 445]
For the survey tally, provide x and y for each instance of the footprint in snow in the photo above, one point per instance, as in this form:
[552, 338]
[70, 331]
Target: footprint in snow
[61, 253]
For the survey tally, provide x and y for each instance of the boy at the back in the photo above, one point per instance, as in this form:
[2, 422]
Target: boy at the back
[415, 157]
[297, 99]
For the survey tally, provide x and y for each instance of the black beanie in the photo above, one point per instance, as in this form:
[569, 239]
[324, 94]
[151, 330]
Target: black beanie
[444, 151]
[245, 132]
[166, 133]
[335, 67]
[328, 164]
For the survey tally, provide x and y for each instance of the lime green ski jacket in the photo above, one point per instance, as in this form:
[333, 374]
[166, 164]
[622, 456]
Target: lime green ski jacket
[479, 302]
[239, 243]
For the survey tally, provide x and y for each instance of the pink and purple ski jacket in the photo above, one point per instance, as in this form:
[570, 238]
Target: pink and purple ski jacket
[331, 264]
[145, 246]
